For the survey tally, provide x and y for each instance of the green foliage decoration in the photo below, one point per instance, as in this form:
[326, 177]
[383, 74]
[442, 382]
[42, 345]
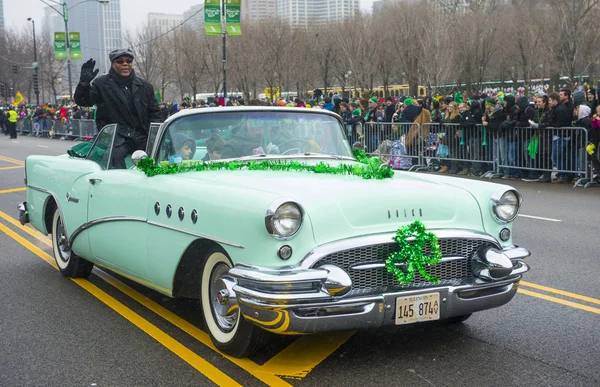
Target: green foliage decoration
[370, 168]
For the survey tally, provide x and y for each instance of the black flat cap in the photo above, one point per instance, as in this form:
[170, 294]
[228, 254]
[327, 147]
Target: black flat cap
[120, 52]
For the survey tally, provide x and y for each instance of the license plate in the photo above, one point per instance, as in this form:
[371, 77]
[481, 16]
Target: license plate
[422, 307]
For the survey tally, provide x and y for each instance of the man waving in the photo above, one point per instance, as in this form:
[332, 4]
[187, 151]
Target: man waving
[121, 98]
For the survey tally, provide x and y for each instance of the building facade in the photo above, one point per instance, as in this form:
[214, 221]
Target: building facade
[160, 23]
[195, 18]
[253, 10]
[1, 14]
[306, 13]
[100, 29]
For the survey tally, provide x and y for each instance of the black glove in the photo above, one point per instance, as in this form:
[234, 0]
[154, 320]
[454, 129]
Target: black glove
[87, 72]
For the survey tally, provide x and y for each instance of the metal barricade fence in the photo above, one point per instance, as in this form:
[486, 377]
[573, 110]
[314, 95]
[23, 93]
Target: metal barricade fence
[456, 148]
[75, 129]
[538, 152]
[398, 144]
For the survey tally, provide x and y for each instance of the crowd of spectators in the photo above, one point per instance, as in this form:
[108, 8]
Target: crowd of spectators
[514, 131]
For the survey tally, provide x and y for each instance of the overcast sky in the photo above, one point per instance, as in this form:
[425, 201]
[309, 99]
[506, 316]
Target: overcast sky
[133, 12]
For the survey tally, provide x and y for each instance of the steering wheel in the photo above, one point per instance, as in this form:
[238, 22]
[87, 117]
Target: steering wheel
[298, 150]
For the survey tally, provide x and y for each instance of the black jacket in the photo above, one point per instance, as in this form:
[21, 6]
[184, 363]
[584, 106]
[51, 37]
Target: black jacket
[389, 113]
[562, 116]
[495, 119]
[133, 107]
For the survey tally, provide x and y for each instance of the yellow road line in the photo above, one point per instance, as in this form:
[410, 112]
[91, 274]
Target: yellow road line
[245, 364]
[561, 292]
[304, 354]
[13, 190]
[200, 364]
[195, 332]
[11, 160]
[15, 167]
[31, 231]
[560, 301]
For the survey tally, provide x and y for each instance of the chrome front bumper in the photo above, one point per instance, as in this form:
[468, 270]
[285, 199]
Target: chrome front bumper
[301, 301]
[23, 214]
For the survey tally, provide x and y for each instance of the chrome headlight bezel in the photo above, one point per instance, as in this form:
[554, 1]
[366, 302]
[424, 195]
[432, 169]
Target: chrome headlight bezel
[503, 198]
[274, 215]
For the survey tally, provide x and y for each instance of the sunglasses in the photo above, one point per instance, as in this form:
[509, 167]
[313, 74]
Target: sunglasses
[123, 61]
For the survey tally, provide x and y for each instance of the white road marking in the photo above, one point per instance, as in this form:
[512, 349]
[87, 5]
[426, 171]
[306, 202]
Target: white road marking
[539, 218]
[43, 146]
[16, 142]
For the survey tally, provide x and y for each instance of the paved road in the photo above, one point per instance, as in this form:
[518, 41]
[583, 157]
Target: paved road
[106, 331]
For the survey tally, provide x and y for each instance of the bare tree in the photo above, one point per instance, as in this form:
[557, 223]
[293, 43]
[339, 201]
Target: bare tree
[574, 23]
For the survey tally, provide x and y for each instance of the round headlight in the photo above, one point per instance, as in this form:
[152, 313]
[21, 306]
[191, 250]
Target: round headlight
[506, 207]
[284, 221]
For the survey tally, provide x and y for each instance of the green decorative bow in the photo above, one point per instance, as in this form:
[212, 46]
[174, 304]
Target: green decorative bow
[412, 253]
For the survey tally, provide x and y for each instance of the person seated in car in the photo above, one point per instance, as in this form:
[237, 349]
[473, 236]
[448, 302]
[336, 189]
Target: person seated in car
[184, 145]
[214, 147]
[245, 141]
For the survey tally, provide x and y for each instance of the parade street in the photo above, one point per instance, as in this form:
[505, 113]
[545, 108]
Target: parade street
[108, 331]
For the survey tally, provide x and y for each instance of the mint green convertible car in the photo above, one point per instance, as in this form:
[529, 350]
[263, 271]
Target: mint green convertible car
[287, 233]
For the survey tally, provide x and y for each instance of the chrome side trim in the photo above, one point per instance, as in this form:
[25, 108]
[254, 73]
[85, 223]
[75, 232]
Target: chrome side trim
[46, 205]
[381, 265]
[378, 239]
[96, 222]
[222, 241]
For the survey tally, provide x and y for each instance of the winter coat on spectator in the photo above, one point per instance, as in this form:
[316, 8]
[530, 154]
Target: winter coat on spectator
[411, 112]
[583, 121]
[594, 133]
[389, 113]
[507, 128]
[419, 131]
[593, 103]
[495, 119]
[562, 116]
[476, 112]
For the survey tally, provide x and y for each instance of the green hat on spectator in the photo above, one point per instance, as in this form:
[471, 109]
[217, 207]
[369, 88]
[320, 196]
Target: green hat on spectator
[458, 98]
[374, 100]
[408, 101]
[356, 113]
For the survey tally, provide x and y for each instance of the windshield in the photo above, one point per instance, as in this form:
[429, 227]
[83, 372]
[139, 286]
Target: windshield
[234, 134]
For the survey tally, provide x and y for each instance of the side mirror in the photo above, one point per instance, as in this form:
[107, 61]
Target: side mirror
[137, 156]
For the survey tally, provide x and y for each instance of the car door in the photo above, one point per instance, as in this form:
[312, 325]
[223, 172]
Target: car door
[117, 213]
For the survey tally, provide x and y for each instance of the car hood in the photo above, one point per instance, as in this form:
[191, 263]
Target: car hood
[340, 206]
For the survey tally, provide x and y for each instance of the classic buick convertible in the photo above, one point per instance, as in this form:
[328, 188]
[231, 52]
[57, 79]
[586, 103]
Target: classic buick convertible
[288, 232]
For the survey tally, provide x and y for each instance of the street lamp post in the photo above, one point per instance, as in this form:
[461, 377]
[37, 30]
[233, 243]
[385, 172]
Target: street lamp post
[65, 15]
[35, 66]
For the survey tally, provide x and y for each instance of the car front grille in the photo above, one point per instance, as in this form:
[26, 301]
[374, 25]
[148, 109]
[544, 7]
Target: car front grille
[378, 280]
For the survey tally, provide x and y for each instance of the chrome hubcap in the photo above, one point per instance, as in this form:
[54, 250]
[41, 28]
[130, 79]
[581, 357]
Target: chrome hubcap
[61, 239]
[223, 301]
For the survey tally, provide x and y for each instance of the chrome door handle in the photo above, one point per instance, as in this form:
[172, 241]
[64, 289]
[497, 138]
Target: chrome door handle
[94, 181]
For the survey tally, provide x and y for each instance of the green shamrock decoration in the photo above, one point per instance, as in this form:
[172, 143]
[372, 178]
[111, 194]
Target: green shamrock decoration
[412, 253]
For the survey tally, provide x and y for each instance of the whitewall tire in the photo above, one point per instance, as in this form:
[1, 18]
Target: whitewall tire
[68, 262]
[228, 329]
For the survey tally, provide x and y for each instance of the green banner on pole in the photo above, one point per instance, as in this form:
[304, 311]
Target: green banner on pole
[75, 43]
[212, 17]
[233, 12]
[60, 46]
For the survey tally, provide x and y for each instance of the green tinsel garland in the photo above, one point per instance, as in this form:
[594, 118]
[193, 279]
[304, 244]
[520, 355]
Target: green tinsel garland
[371, 170]
[412, 253]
